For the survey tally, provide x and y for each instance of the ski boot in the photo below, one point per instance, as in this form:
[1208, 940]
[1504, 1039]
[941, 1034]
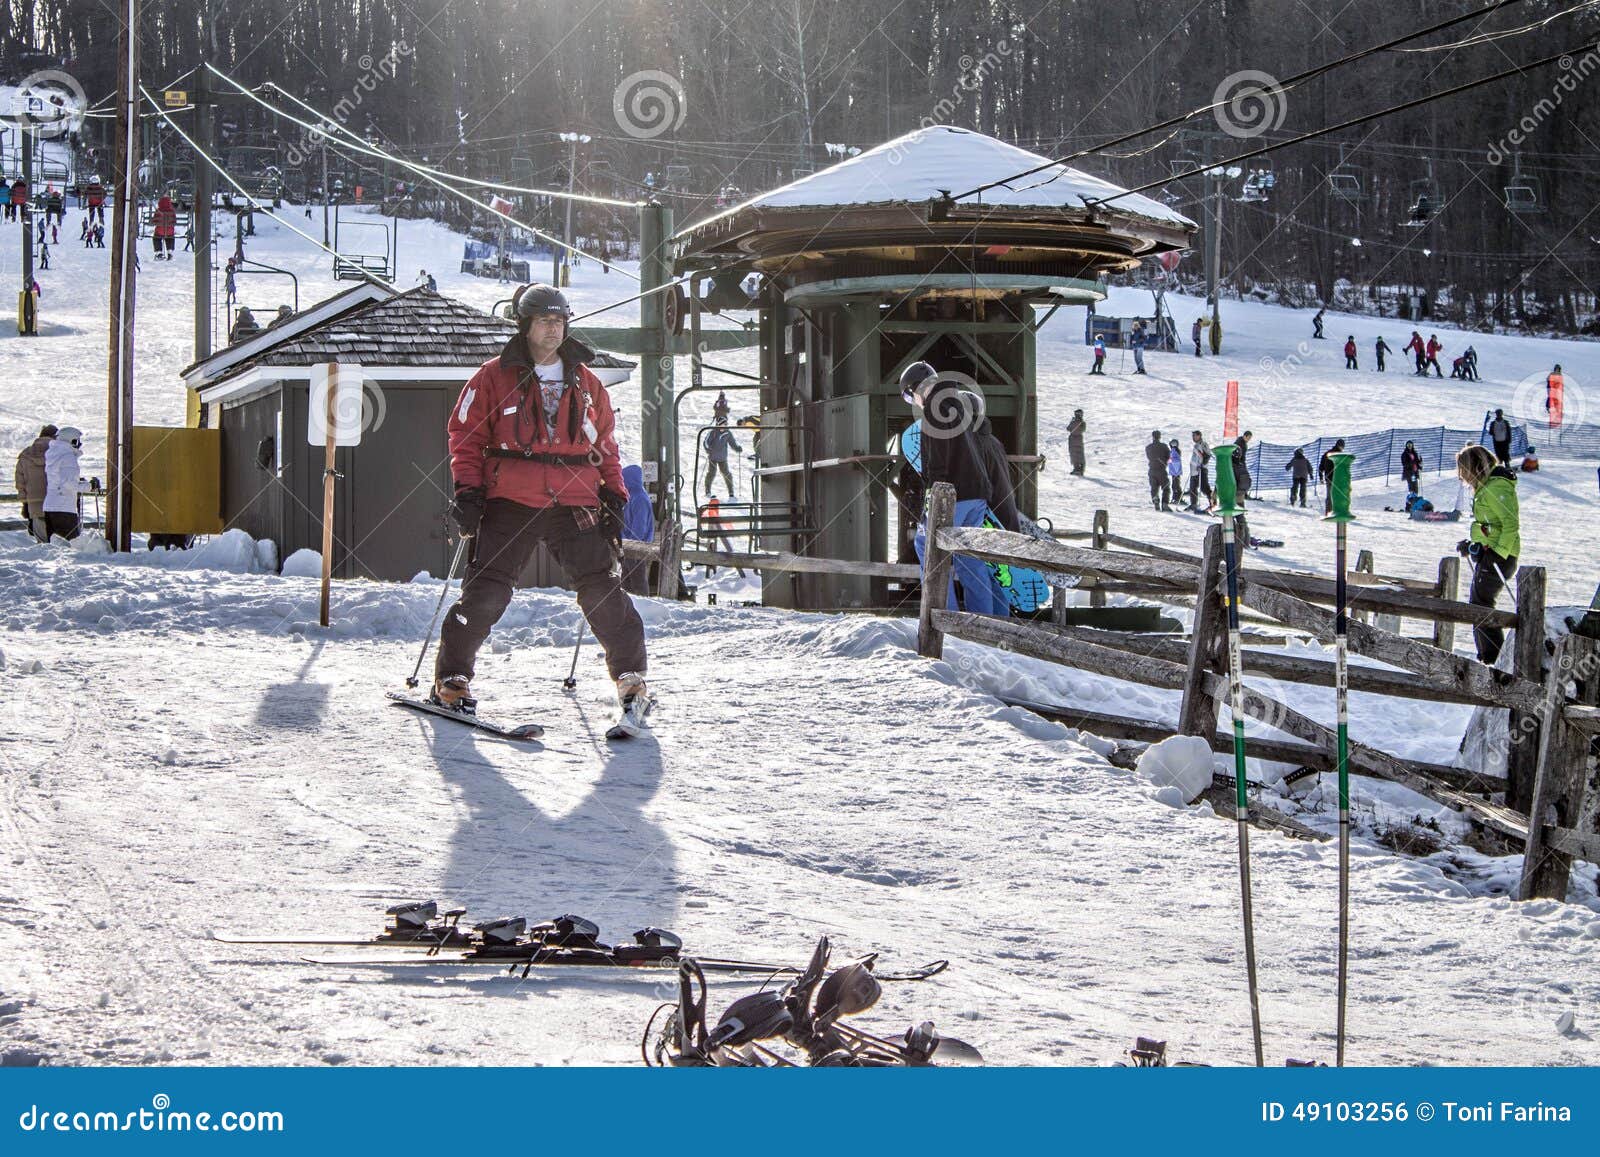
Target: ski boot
[635, 702]
[452, 691]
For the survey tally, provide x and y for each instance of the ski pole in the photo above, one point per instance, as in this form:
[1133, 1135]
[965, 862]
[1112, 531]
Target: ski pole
[1340, 516]
[1227, 499]
[570, 683]
[433, 623]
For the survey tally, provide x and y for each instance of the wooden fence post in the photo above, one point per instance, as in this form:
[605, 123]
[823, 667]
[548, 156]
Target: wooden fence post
[1198, 715]
[1364, 563]
[935, 570]
[1444, 634]
[668, 576]
[1527, 662]
[1544, 869]
[1097, 539]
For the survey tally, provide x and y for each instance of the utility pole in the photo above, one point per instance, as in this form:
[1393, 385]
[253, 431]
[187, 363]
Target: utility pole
[1212, 189]
[326, 192]
[27, 310]
[125, 236]
[201, 214]
[573, 140]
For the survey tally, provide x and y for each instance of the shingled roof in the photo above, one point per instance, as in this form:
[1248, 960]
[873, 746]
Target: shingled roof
[417, 328]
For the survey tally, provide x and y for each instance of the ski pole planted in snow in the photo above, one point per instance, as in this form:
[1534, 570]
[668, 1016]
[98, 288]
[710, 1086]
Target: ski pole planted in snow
[1228, 510]
[433, 623]
[570, 683]
[1340, 516]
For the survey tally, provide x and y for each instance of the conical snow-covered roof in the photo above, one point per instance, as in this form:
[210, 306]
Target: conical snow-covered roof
[942, 159]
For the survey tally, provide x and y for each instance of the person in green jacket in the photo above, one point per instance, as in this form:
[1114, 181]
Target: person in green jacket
[1495, 539]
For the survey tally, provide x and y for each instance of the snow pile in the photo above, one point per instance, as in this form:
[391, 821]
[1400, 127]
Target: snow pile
[303, 563]
[1180, 766]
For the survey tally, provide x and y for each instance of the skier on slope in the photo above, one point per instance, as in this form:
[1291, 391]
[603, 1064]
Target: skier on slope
[32, 484]
[1411, 468]
[1157, 456]
[165, 222]
[1137, 342]
[1075, 432]
[1174, 471]
[1099, 366]
[1495, 540]
[1316, 324]
[1381, 349]
[533, 455]
[1299, 469]
[1500, 435]
[1199, 475]
[1325, 475]
[1350, 353]
[63, 483]
[716, 442]
[1242, 481]
[1434, 347]
[1195, 332]
[1418, 347]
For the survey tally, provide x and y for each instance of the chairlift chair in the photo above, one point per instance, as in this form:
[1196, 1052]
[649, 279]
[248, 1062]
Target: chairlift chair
[1257, 185]
[1346, 186]
[1523, 194]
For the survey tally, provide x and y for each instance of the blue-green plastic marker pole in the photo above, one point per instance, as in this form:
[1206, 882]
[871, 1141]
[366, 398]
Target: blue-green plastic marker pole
[1340, 516]
[1227, 498]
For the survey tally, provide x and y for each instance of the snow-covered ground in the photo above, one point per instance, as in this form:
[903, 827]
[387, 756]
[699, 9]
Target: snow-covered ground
[187, 751]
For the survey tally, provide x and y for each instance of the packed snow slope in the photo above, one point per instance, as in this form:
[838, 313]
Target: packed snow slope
[187, 751]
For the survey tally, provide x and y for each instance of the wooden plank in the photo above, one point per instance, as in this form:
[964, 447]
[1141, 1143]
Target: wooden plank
[1151, 549]
[1099, 528]
[1585, 719]
[1055, 647]
[1442, 670]
[936, 571]
[1144, 731]
[1574, 845]
[1316, 589]
[1005, 547]
[1198, 714]
[1449, 588]
[1545, 869]
[1527, 662]
[782, 562]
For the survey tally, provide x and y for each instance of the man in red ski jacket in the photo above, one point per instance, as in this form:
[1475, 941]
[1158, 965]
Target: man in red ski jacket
[1434, 346]
[164, 222]
[533, 454]
[1415, 345]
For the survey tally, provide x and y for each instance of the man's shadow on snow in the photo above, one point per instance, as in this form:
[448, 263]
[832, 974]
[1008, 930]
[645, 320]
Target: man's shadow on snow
[510, 856]
[297, 706]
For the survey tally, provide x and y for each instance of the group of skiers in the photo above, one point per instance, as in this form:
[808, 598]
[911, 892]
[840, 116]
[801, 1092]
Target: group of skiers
[1427, 353]
[1166, 471]
[1138, 341]
[48, 483]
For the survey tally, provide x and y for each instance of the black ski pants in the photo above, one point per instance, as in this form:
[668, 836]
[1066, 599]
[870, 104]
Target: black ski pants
[1297, 492]
[1490, 573]
[505, 542]
[1502, 451]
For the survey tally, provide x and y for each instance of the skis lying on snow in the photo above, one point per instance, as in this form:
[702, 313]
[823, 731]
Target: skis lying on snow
[565, 941]
[468, 716]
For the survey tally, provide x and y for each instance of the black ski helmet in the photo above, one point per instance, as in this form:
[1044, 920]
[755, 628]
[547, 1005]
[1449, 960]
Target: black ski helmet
[539, 300]
[912, 377]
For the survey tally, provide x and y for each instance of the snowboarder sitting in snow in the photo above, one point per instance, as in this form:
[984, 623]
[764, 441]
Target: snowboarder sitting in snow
[1530, 460]
[533, 455]
[1099, 366]
[1411, 468]
[32, 483]
[1350, 353]
[1495, 540]
[1325, 475]
[1299, 468]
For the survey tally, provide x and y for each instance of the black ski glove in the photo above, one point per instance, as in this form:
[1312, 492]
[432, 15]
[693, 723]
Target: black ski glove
[612, 506]
[1463, 546]
[467, 510]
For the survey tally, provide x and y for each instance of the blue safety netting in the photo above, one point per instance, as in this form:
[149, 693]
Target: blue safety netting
[1377, 455]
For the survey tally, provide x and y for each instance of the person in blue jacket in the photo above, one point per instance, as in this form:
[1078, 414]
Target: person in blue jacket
[638, 525]
[1137, 341]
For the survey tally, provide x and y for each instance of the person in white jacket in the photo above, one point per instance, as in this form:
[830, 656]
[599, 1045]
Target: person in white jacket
[62, 482]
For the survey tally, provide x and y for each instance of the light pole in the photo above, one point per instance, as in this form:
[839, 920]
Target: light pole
[573, 141]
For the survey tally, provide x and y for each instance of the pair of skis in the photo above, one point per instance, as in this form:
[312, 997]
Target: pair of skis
[425, 937]
[1340, 516]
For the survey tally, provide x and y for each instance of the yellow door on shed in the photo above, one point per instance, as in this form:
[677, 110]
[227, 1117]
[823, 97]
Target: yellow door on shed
[177, 481]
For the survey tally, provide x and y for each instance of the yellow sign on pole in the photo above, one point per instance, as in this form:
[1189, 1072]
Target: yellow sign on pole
[176, 97]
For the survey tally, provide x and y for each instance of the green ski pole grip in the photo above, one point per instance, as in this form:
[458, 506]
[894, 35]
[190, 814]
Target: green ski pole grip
[1339, 489]
[1227, 484]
